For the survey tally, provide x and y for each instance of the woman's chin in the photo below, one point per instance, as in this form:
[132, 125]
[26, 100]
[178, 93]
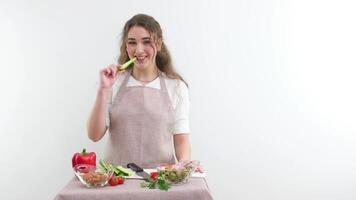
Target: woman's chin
[142, 66]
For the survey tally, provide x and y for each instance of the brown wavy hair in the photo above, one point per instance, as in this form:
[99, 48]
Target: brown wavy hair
[163, 57]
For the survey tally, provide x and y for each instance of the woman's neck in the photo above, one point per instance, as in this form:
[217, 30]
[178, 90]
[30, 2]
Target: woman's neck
[145, 75]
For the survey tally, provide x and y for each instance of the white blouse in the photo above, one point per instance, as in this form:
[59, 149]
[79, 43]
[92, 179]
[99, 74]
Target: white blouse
[178, 94]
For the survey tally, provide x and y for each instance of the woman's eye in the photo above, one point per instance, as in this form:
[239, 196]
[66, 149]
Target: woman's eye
[147, 42]
[131, 43]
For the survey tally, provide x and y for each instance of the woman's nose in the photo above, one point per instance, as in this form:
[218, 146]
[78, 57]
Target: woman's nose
[139, 48]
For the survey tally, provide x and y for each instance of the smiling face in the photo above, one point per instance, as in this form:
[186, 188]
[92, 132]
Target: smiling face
[140, 44]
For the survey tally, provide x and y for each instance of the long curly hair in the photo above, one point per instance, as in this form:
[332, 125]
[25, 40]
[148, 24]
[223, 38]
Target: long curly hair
[163, 57]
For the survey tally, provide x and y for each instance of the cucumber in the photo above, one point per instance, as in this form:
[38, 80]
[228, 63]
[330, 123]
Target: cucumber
[125, 171]
[118, 170]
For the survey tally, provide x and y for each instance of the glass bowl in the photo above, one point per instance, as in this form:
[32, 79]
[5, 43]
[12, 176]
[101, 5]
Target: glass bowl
[178, 173]
[91, 176]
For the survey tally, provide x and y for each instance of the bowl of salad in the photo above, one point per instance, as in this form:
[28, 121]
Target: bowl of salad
[178, 173]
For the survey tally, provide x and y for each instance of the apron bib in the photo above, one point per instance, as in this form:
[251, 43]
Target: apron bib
[141, 121]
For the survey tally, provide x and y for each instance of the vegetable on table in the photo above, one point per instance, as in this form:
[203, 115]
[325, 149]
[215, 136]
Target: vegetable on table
[116, 180]
[117, 169]
[157, 179]
[84, 158]
[154, 175]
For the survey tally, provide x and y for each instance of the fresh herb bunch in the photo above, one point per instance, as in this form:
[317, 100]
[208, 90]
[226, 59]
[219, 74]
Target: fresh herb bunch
[157, 179]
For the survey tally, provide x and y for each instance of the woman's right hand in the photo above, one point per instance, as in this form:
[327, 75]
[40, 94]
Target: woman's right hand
[108, 76]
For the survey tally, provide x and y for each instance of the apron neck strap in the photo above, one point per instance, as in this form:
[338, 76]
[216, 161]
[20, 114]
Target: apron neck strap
[161, 80]
[160, 75]
[126, 80]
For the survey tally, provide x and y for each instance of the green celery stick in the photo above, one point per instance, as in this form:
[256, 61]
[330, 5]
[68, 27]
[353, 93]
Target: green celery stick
[102, 165]
[126, 64]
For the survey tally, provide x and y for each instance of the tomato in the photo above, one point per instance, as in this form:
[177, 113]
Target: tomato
[154, 175]
[116, 180]
[120, 180]
[113, 181]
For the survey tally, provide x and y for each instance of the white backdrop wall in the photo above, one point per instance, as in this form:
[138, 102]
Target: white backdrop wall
[272, 91]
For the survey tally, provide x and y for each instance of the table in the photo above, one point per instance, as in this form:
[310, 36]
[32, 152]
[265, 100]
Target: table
[195, 189]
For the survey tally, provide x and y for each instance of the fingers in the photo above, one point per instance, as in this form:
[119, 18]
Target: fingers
[110, 71]
[200, 169]
[119, 70]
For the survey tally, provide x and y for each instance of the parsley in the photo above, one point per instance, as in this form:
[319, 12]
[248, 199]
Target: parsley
[159, 181]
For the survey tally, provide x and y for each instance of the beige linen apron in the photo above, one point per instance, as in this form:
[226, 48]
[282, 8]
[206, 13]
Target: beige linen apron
[141, 120]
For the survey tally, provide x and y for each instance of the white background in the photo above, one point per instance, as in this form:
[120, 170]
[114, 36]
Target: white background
[272, 87]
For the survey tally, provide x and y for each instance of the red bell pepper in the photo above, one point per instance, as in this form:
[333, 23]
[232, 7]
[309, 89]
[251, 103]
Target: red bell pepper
[84, 158]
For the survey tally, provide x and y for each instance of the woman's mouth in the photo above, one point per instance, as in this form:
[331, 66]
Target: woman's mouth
[141, 59]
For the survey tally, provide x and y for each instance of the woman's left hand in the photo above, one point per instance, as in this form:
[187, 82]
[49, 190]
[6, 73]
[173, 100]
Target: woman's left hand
[200, 169]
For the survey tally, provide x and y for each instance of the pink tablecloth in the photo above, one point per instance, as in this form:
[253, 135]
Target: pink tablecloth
[195, 189]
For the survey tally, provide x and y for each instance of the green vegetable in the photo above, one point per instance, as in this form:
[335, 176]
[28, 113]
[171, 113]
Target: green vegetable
[103, 165]
[125, 171]
[159, 182]
[118, 170]
[127, 64]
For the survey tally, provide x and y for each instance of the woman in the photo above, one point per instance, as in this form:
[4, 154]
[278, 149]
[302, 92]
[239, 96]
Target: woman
[148, 109]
